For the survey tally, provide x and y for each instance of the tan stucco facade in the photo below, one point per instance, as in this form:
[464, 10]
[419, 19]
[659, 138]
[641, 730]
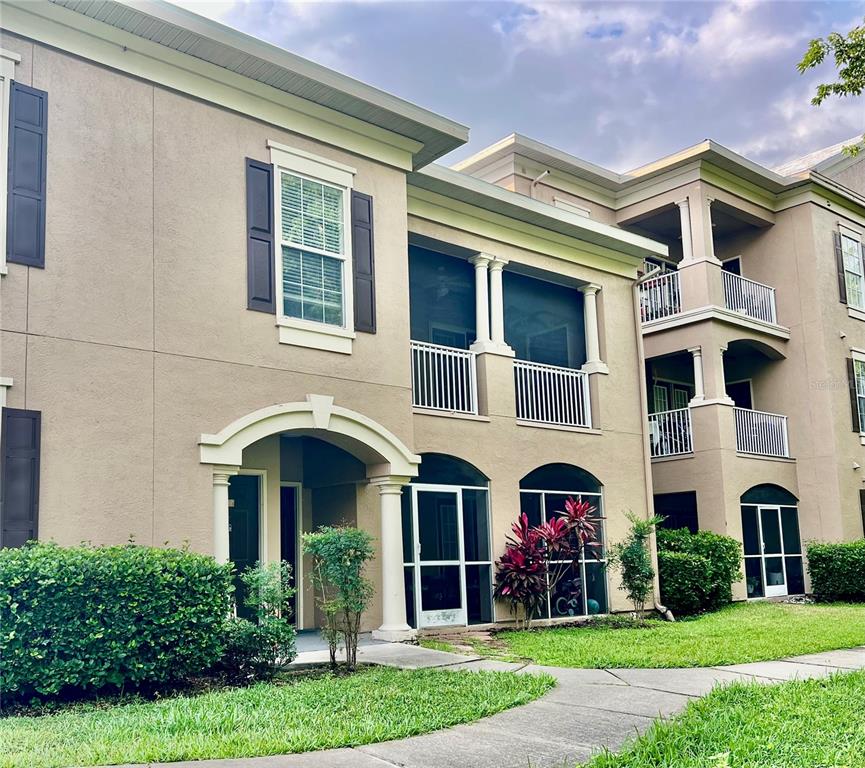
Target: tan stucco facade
[135, 340]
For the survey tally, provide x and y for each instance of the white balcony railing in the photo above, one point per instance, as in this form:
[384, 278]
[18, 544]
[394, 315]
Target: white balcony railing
[670, 433]
[443, 378]
[761, 434]
[660, 297]
[549, 394]
[749, 297]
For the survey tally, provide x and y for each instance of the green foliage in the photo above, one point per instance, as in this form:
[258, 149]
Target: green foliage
[634, 560]
[255, 648]
[837, 570]
[88, 618]
[339, 557]
[311, 713]
[848, 52]
[696, 570]
[798, 724]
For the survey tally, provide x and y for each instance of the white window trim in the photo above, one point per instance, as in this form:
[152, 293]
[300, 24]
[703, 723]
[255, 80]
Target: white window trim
[858, 356]
[854, 310]
[292, 330]
[8, 60]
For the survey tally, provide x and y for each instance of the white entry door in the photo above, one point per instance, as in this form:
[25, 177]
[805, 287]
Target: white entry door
[439, 558]
[774, 572]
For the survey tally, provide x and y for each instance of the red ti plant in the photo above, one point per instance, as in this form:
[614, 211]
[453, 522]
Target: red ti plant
[537, 558]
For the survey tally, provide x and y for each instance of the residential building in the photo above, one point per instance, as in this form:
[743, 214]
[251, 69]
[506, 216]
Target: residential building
[754, 336]
[241, 301]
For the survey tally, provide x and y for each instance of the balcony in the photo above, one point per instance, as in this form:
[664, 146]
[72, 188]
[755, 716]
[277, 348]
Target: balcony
[660, 297]
[443, 378]
[750, 298]
[761, 434]
[549, 394]
[670, 433]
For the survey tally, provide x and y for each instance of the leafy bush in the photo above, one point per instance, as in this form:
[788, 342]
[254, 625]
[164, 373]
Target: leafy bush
[837, 570]
[255, 647]
[702, 580]
[339, 556]
[87, 618]
[537, 558]
[634, 559]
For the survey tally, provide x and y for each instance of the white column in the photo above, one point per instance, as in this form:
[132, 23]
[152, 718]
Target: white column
[482, 302]
[593, 364]
[394, 626]
[699, 384]
[221, 476]
[685, 217]
[497, 302]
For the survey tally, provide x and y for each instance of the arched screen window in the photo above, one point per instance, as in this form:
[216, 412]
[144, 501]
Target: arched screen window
[769, 494]
[441, 469]
[543, 493]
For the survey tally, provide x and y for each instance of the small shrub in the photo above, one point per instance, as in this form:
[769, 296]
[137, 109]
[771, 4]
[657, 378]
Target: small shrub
[837, 570]
[683, 577]
[703, 580]
[339, 556]
[87, 618]
[634, 560]
[255, 647]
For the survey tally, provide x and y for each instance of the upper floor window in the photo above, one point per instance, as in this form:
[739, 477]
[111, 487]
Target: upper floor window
[313, 249]
[859, 384]
[854, 275]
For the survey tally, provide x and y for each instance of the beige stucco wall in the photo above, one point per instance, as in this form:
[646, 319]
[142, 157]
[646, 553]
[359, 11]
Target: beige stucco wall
[135, 338]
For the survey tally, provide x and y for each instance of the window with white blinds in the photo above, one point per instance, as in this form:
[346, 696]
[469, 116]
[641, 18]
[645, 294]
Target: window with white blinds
[313, 226]
[854, 275]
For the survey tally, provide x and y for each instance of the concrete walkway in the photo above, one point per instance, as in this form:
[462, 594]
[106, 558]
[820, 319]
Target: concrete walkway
[587, 710]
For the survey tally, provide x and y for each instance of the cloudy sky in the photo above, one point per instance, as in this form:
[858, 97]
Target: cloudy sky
[617, 83]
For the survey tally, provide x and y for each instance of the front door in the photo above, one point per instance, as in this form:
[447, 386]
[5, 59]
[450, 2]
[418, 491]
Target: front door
[774, 574]
[243, 529]
[439, 574]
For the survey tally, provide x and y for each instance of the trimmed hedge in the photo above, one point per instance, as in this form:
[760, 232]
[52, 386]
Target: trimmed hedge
[88, 618]
[696, 570]
[837, 570]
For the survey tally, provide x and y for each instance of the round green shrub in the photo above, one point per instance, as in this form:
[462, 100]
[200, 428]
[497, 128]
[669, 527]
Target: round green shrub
[689, 585]
[837, 570]
[87, 618]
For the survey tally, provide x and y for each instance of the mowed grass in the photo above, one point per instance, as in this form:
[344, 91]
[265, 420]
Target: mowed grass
[737, 634]
[801, 724]
[373, 705]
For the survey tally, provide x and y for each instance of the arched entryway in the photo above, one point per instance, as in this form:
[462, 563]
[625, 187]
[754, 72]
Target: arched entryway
[374, 456]
[772, 546]
[446, 544]
[543, 493]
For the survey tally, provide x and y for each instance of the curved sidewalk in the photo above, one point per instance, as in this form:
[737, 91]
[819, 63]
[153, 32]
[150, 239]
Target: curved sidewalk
[587, 710]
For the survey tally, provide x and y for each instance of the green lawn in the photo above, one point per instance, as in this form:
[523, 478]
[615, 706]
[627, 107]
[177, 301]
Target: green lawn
[373, 705]
[801, 724]
[739, 633]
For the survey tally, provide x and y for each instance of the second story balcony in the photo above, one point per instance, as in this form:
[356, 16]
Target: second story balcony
[761, 434]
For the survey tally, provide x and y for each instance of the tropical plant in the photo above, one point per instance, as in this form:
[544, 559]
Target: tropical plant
[634, 559]
[537, 558]
[339, 557]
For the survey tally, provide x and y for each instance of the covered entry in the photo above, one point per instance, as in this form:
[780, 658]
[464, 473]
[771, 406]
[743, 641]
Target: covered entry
[295, 466]
[773, 549]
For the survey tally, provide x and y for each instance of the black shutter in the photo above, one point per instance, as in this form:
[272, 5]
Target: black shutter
[260, 289]
[854, 401]
[19, 475]
[839, 265]
[28, 144]
[363, 262]
[862, 508]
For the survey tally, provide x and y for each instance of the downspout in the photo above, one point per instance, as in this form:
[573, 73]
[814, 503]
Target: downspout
[644, 411]
[535, 183]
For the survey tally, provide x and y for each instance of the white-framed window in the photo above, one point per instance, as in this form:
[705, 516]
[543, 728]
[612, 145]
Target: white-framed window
[854, 274]
[859, 380]
[313, 249]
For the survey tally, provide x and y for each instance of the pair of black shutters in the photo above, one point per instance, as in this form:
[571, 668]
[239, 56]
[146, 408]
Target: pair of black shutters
[260, 248]
[19, 475]
[27, 172]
